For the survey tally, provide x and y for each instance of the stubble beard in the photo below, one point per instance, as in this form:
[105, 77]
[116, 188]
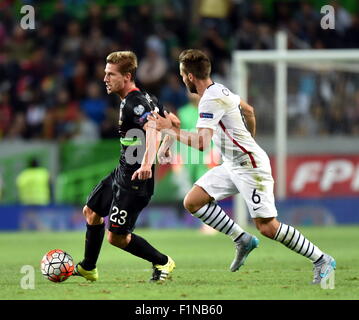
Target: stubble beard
[191, 87]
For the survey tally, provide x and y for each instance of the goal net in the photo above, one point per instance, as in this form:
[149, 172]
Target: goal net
[302, 99]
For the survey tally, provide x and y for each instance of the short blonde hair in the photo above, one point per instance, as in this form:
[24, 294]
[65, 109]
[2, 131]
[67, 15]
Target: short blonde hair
[126, 61]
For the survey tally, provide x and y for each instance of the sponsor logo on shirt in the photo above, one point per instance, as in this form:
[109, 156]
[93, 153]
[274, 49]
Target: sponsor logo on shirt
[206, 115]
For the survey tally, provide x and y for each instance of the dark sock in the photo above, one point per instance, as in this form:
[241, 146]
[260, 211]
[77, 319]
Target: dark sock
[141, 248]
[93, 243]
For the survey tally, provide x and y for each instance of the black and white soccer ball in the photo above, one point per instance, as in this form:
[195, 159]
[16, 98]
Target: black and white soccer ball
[57, 265]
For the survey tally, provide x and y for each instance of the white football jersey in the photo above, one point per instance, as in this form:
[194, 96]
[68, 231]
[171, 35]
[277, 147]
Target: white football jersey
[219, 109]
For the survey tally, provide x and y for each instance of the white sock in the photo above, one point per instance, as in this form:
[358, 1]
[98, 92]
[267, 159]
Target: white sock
[295, 241]
[214, 216]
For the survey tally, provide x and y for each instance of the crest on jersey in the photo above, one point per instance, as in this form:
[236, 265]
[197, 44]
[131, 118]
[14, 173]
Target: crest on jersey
[225, 92]
[139, 110]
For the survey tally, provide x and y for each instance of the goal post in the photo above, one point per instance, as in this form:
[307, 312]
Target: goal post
[281, 59]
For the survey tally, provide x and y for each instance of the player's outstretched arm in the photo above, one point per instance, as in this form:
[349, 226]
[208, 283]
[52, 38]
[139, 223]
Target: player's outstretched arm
[249, 116]
[200, 140]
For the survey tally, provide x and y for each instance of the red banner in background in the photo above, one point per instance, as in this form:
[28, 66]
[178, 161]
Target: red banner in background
[322, 176]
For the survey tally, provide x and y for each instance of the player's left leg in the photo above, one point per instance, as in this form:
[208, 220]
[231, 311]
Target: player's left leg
[200, 201]
[216, 184]
[139, 247]
[294, 240]
[124, 213]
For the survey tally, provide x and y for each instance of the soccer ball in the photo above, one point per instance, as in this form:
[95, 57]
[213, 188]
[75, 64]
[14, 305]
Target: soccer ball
[57, 265]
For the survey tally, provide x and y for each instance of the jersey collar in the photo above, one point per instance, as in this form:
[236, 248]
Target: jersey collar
[210, 85]
[132, 90]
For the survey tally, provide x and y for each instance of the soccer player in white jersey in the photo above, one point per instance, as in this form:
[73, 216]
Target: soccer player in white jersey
[246, 169]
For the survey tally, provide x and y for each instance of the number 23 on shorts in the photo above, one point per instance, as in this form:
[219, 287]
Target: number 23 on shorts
[118, 216]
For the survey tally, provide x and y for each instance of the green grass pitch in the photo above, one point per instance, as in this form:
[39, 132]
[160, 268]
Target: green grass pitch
[202, 273]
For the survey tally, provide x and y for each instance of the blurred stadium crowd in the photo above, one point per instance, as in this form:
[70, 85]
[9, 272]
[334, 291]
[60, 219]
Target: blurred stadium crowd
[51, 78]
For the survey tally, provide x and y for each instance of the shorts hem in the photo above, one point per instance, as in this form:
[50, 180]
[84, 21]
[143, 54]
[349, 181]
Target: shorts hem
[206, 190]
[264, 216]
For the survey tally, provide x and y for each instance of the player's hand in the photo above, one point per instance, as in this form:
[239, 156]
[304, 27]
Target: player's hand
[143, 173]
[164, 156]
[160, 123]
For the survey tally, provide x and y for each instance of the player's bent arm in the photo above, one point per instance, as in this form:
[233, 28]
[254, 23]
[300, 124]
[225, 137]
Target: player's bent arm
[249, 116]
[153, 140]
[152, 144]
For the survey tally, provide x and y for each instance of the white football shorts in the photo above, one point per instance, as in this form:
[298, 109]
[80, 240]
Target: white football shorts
[255, 186]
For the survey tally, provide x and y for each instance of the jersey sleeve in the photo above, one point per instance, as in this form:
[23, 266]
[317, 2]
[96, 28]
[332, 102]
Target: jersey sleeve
[140, 111]
[210, 113]
[157, 106]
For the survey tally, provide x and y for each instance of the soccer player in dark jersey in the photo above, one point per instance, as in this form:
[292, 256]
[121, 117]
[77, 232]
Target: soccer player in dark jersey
[128, 188]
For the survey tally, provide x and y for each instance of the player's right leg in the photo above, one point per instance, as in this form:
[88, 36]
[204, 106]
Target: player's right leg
[216, 185]
[94, 237]
[257, 190]
[293, 239]
[98, 205]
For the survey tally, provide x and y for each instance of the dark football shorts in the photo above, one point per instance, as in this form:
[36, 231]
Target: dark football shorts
[122, 206]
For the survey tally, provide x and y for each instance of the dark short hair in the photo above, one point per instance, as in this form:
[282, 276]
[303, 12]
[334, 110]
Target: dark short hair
[196, 62]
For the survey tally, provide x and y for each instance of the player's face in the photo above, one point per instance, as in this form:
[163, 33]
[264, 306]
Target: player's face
[189, 84]
[114, 80]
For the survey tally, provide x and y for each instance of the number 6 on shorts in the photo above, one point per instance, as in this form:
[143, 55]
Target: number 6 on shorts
[255, 197]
